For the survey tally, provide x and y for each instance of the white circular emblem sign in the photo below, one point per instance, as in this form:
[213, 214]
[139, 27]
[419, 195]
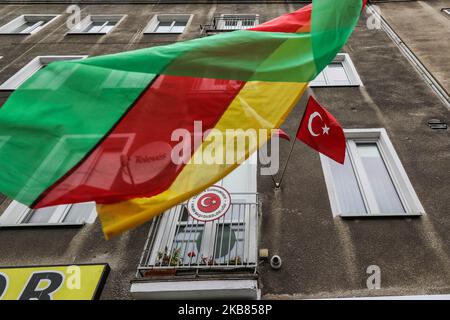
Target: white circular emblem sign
[209, 205]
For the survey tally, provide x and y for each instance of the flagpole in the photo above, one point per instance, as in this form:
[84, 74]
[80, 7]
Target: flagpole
[278, 184]
[274, 182]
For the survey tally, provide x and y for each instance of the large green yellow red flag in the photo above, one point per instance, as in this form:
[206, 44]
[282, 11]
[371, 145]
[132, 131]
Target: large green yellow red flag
[105, 128]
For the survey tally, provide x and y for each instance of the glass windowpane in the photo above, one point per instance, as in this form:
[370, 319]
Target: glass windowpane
[79, 213]
[40, 215]
[336, 74]
[346, 187]
[380, 181]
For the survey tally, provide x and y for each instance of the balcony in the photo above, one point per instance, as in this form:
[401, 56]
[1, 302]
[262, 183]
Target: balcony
[228, 22]
[178, 244]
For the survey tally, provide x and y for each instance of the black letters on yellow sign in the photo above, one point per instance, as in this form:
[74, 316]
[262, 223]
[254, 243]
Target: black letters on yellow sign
[34, 291]
[58, 282]
[3, 284]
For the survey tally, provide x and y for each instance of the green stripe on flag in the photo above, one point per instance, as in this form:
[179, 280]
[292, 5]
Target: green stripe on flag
[56, 118]
[332, 23]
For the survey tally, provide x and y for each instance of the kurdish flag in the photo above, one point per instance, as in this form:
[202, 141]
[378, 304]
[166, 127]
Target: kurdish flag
[100, 129]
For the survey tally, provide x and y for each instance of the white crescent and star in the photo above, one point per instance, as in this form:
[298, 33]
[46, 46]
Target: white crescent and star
[325, 129]
[202, 202]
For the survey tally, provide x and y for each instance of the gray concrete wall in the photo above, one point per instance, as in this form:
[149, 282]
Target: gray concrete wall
[425, 29]
[322, 256]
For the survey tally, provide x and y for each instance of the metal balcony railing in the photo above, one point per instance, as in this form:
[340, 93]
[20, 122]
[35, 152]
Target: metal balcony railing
[177, 241]
[230, 23]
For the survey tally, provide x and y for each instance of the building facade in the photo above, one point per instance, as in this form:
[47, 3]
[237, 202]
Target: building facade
[376, 226]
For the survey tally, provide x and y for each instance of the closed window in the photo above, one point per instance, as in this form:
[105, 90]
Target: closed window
[168, 23]
[340, 72]
[33, 66]
[97, 24]
[236, 21]
[27, 24]
[372, 181]
[18, 214]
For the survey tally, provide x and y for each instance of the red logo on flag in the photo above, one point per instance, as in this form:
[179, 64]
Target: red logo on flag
[321, 131]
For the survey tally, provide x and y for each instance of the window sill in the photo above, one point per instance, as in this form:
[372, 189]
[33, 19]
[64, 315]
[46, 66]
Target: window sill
[85, 33]
[15, 33]
[42, 225]
[381, 215]
[336, 86]
[163, 33]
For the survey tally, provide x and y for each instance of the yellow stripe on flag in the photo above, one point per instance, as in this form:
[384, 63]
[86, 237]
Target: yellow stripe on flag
[259, 105]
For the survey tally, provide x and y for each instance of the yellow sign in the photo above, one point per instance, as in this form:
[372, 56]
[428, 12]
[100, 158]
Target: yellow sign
[70, 282]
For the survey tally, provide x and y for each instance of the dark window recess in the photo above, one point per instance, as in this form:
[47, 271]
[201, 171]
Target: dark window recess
[437, 124]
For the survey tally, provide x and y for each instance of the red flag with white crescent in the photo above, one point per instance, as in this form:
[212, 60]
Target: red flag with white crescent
[322, 132]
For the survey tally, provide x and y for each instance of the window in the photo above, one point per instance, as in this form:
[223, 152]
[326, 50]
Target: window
[236, 21]
[372, 181]
[33, 66]
[228, 242]
[340, 72]
[27, 24]
[97, 24]
[168, 23]
[19, 215]
[446, 11]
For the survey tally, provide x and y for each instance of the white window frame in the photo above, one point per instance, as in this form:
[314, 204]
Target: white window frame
[221, 24]
[20, 20]
[402, 184]
[105, 18]
[152, 26]
[349, 68]
[16, 214]
[32, 67]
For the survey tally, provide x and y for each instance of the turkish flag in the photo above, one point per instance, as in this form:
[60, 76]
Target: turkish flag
[321, 131]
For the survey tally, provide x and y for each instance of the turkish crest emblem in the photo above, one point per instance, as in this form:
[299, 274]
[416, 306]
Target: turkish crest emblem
[210, 204]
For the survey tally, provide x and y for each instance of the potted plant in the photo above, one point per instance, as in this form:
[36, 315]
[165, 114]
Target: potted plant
[236, 261]
[173, 258]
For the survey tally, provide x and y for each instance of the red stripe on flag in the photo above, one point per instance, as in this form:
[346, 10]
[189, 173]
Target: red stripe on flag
[298, 21]
[134, 160]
